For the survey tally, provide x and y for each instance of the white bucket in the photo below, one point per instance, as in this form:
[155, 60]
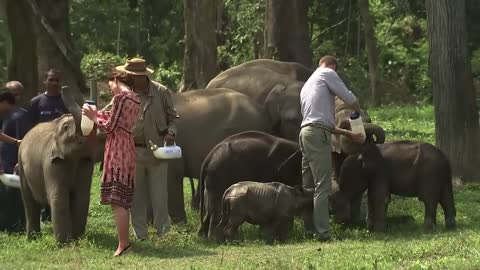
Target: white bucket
[10, 180]
[168, 152]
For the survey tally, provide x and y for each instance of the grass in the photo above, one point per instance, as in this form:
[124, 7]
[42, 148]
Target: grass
[404, 246]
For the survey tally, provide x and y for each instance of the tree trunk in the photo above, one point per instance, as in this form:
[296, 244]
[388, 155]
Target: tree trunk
[371, 44]
[457, 130]
[23, 61]
[54, 45]
[287, 39]
[200, 60]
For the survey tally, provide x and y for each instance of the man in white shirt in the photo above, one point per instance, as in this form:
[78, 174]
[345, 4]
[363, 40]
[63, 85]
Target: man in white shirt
[317, 100]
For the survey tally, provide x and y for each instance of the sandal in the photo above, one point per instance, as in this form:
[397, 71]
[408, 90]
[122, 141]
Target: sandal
[125, 250]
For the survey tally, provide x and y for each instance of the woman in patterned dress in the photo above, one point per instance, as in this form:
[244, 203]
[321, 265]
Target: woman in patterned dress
[119, 161]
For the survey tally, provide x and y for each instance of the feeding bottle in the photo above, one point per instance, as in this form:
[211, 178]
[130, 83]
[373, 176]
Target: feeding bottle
[87, 124]
[356, 124]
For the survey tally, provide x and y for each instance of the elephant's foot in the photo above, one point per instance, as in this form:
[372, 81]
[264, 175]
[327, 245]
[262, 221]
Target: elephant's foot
[450, 223]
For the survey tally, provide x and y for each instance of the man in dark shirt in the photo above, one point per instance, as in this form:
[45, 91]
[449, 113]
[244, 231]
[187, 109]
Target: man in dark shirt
[16, 125]
[49, 105]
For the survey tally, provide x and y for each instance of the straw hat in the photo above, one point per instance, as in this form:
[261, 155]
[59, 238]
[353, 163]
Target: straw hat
[135, 66]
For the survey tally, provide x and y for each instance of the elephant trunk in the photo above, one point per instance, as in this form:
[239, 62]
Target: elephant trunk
[69, 100]
[374, 133]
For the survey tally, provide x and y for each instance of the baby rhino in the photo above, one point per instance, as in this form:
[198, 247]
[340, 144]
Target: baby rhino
[272, 205]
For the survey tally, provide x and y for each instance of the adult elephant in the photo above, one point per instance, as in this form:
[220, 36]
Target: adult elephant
[206, 118]
[55, 167]
[275, 85]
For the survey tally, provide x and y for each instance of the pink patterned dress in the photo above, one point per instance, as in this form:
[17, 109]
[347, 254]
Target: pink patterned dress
[118, 181]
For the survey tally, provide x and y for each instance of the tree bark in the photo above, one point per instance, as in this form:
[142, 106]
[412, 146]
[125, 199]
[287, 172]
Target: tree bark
[371, 44]
[23, 60]
[287, 39]
[54, 46]
[457, 130]
[200, 60]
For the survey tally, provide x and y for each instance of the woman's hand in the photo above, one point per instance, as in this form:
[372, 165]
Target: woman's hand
[90, 112]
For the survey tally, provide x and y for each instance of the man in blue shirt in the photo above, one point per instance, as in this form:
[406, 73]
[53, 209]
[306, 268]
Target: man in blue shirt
[16, 125]
[48, 105]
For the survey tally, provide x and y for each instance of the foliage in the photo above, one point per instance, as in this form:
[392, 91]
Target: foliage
[97, 65]
[243, 20]
[169, 76]
[405, 246]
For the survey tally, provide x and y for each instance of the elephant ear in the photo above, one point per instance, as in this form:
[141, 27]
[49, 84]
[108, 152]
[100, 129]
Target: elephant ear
[273, 102]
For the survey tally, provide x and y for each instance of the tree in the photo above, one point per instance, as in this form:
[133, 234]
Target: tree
[23, 61]
[371, 43]
[286, 31]
[200, 59]
[456, 117]
[54, 45]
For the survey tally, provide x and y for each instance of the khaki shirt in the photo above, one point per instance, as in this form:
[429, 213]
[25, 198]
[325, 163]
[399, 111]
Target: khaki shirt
[157, 116]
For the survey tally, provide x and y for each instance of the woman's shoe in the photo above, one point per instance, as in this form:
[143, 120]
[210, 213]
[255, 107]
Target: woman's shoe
[125, 250]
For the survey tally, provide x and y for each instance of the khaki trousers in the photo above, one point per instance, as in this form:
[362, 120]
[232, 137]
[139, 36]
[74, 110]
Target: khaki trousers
[150, 190]
[315, 144]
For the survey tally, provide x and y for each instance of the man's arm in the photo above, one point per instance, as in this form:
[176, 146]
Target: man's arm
[336, 85]
[33, 111]
[356, 137]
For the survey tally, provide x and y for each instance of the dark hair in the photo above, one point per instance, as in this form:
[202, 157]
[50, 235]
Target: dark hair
[6, 95]
[121, 76]
[53, 71]
[328, 60]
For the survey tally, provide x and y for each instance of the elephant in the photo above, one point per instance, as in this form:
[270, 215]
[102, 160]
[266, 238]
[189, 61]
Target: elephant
[271, 205]
[275, 85]
[242, 157]
[206, 118]
[405, 168]
[55, 164]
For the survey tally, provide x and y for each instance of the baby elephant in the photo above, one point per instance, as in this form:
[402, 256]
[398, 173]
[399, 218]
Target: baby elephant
[405, 168]
[271, 205]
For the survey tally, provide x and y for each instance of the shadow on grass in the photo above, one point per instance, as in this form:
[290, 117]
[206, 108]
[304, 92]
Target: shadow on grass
[153, 247]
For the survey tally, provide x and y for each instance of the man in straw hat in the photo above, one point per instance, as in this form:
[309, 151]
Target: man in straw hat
[156, 123]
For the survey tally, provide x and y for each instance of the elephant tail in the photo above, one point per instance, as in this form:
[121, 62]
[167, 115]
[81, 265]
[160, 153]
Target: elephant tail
[446, 201]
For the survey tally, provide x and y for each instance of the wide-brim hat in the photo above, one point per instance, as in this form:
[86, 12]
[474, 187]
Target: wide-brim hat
[135, 66]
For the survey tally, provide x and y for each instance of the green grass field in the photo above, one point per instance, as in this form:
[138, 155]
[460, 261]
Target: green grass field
[404, 246]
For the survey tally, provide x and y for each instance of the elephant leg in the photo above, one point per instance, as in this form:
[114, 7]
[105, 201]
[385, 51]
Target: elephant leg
[430, 219]
[32, 211]
[80, 200]
[378, 200]
[355, 207]
[448, 206]
[214, 220]
[61, 215]
[195, 201]
[176, 203]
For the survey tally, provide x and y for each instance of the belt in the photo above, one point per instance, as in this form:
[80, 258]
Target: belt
[318, 125]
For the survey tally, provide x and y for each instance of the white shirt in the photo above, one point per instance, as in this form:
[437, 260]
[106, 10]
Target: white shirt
[317, 98]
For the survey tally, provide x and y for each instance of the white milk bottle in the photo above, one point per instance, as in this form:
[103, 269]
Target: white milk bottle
[87, 124]
[356, 124]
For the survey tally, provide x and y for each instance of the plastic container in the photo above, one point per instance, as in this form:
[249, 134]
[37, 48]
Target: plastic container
[87, 124]
[356, 124]
[10, 180]
[166, 152]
